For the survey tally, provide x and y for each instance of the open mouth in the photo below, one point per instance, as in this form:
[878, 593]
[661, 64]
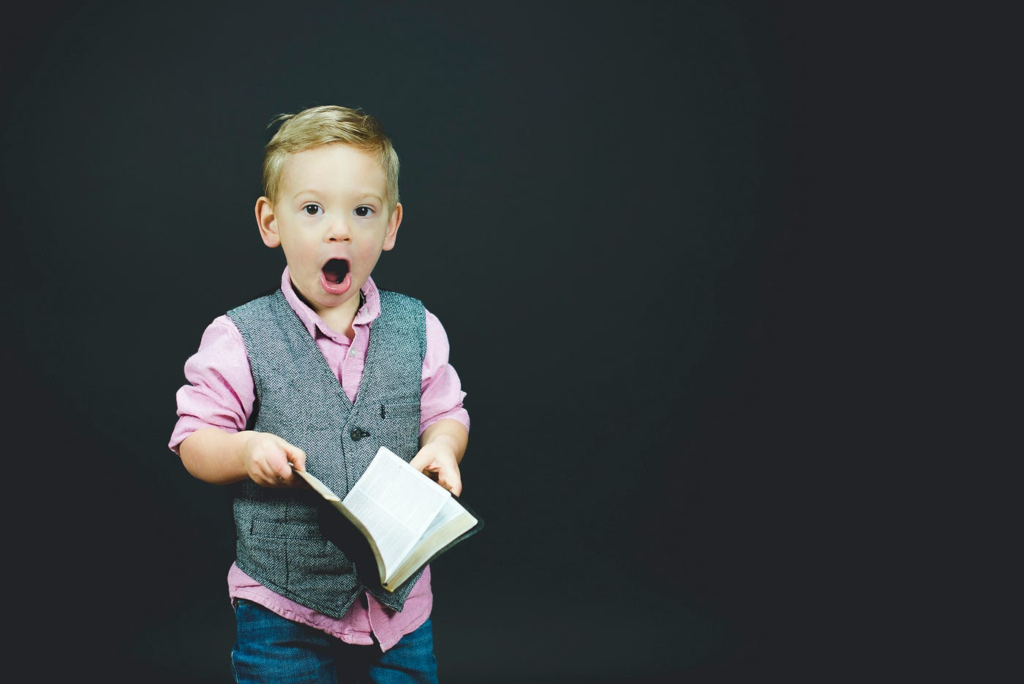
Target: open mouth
[335, 278]
[335, 271]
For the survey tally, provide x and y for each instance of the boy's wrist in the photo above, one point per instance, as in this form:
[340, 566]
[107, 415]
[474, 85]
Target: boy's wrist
[242, 440]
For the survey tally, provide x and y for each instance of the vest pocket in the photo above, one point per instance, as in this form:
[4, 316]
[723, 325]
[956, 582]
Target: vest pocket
[284, 530]
[297, 555]
[401, 423]
[318, 558]
[399, 410]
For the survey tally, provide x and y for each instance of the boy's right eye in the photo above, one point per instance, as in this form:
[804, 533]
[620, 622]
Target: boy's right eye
[312, 209]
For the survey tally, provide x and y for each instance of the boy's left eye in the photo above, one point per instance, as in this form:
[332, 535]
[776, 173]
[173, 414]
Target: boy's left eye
[364, 211]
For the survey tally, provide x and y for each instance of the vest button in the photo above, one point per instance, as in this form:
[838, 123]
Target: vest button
[358, 434]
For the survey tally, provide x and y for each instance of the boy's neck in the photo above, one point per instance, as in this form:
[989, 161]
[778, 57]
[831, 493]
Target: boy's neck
[340, 319]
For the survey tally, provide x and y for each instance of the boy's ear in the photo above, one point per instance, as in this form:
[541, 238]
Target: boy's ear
[267, 223]
[394, 221]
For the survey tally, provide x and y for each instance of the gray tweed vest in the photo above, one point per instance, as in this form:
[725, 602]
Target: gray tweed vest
[280, 539]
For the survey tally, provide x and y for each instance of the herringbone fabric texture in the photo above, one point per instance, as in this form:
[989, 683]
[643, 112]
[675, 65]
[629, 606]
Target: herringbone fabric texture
[280, 535]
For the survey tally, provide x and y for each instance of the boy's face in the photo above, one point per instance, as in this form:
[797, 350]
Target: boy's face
[331, 219]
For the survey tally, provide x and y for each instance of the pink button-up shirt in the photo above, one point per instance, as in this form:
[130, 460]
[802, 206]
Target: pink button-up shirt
[221, 394]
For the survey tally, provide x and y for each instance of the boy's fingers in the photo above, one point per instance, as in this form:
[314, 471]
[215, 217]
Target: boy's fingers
[450, 479]
[291, 457]
[296, 461]
[452, 483]
[297, 457]
[420, 461]
[439, 471]
[282, 472]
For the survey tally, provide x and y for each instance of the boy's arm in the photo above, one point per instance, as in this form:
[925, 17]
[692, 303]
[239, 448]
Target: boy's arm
[443, 440]
[220, 457]
[441, 448]
[213, 409]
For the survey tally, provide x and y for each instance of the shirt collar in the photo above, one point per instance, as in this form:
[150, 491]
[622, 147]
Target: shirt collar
[366, 314]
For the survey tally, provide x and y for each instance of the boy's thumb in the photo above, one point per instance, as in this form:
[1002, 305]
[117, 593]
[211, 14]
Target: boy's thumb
[297, 458]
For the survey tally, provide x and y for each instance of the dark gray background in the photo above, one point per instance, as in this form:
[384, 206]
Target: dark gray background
[651, 231]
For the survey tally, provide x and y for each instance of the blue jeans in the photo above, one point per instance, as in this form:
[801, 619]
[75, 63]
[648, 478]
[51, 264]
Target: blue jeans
[270, 648]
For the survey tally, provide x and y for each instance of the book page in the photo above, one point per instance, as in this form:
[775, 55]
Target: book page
[396, 504]
[331, 497]
[449, 512]
[451, 521]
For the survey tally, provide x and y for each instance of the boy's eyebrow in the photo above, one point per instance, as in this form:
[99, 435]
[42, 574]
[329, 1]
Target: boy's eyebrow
[361, 195]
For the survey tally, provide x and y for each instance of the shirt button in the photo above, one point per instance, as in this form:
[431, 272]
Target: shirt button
[352, 352]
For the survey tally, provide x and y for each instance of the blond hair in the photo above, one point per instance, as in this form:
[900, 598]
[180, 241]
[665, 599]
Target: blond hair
[324, 125]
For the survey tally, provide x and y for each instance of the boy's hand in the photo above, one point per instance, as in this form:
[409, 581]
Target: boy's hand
[268, 460]
[441, 448]
[437, 461]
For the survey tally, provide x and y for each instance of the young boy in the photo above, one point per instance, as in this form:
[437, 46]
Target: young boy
[317, 376]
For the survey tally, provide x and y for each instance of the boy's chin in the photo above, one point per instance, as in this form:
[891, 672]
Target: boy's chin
[322, 300]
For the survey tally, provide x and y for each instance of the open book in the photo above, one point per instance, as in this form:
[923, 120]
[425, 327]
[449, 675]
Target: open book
[407, 518]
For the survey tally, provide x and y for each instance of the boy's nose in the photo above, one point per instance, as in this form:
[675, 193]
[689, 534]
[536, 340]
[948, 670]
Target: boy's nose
[338, 231]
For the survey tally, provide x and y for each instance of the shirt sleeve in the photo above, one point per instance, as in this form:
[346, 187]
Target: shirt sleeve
[219, 392]
[441, 394]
